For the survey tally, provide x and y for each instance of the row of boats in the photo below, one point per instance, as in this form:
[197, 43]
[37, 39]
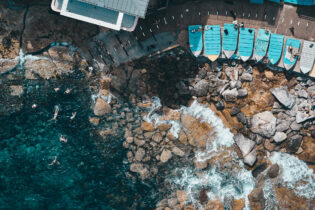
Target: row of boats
[239, 42]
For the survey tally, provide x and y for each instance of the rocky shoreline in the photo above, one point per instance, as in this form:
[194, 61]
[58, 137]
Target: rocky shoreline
[222, 135]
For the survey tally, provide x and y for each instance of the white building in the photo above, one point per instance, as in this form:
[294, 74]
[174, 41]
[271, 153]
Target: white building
[114, 14]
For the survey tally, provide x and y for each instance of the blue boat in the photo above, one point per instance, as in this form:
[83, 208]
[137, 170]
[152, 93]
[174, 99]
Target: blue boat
[307, 57]
[230, 36]
[212, 41]
[195, 39]
[246, 43]
[275, 48]
[261, 44]
[291, 50]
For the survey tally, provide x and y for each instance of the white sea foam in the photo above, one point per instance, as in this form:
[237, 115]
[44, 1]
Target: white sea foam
[238, 183]
[295, 174]
[22, 58]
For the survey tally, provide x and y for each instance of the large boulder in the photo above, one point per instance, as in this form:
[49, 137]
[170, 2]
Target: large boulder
[264, 124]
[101, 107]
[283, 96]
[250, 158]
[198, 133]
[200, 88]
[246, 145]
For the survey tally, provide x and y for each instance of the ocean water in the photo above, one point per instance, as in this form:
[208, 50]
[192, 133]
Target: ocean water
[84, 176]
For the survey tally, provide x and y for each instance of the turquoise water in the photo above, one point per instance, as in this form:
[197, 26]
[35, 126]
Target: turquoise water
[88, 174]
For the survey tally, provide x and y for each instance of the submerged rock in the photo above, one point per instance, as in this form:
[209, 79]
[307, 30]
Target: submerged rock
[273, 171]
[294, 143]
[256, 199]
[283, 96]
[264, 124]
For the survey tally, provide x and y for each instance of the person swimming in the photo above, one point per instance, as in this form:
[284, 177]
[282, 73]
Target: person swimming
[73, 115]
[63, 139]
[54, 162]
[56, 112]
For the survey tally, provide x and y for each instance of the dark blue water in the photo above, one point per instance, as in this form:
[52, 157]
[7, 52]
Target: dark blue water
[85, 176]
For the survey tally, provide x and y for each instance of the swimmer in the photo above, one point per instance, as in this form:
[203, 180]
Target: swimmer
[54, 162]
[63, 139]
[57, 89]
[67, 91]
[56, 112]
[34, 106]
[73, 115]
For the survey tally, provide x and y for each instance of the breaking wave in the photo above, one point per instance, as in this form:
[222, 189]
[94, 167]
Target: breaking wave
[295, 174]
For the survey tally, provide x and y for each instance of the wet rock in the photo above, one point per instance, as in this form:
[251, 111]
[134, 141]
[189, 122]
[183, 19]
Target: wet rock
[198, 133]
[214, 205]
[157, 137]
[16, 90]
[129, 139]
[183, 138]
[219, 105]
[264, 124]
[230, 95]
[162, 203]
[279, 137]
[311, 91]
[268, 145]
[94, 120]
[239, 204]
[273, 171]
[259, 139]
[256, 199]
[283, 96]
[234, 111]
[140, 169]
[295, 126]
[247, 77]
[313, 133]
[147, 126]
[241, 118]
[258, 169]
[140, 154]
[200, 164]
[203, 197]
[246, 145]
[172, 202]
[138, 142]
[164, 127]
[166, 155]
[178, 152]
[101, 107]
[181, 195]
[294, 143]
[242, 93]
[250, 158]
[200, 88]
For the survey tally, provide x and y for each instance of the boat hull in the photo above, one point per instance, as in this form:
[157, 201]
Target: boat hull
[213, 57]
[228, 53]
[195, 39]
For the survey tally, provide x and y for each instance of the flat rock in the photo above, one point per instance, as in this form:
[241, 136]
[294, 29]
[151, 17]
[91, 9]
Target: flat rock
[283, 96]
[181, 195]
[283, 125]
[302, 94]
[147, 126]
[264, 124]
[273, 171]
[234, 111]
[232, 73]
[303, 116]
[280, 137]
[246, 145]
